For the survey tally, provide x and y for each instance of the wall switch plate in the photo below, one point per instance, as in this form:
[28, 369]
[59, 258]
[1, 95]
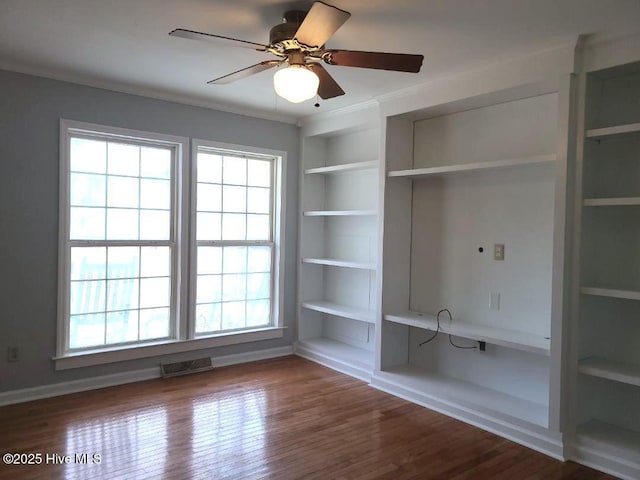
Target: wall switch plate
[495, 301]
[13, 354]
[498, 251]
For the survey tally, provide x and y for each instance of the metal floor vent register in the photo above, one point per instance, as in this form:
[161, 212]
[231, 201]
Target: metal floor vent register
[183, 368]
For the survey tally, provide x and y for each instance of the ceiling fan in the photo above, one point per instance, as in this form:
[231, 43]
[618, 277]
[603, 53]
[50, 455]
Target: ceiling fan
[299, 45]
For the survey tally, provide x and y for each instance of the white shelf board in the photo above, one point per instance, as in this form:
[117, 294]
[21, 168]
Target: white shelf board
[332, 262]
[611, 370]
[436, 385]
[339, 213]
[496, 336]
[345, 167]
[611, 292]
[348, 354]
[338, 310]
[616, 130]
[472, 167]
[610, 439]
[611, 202]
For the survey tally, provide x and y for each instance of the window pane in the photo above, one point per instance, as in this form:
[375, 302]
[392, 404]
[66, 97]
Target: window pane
[259, 173]
[234, 171]
[234, 199]
[234, 287]
[258, 227]
[258, 200]
[155, 194]
[259, 259]
[88, 155]
[208, 317]
[155, 262]
[123, 159]
[209, 197]
[154, 323]
[87, 190]
[86, 330]
[258, 286]
[233, 315]
[208, 226]
[122, 294]
[235, 259]
[87, 297]
[155, 162]
[154, 292]
[209, 168]
[258, 313]
[122, 326]
[155, 225]
[88, 263]
[123, 262]
[122, 224]
[209, 288]
[86, 223]
[122, 192]
[234, 226]
[209, 260]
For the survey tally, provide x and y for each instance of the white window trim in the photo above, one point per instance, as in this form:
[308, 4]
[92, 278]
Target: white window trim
[184, 219]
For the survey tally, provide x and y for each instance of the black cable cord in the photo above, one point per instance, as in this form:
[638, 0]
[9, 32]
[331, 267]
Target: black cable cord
[438, 331]
[450, 339]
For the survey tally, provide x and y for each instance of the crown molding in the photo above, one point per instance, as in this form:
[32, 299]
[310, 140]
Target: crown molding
[141, 91]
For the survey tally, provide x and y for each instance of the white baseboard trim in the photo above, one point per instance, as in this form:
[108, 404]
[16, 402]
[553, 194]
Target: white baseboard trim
[74, 386]
[618, 466]
[85, 384]
[333, 363]
[252, 356]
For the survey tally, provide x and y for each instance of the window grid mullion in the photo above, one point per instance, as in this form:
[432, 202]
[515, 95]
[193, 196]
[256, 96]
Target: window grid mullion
[106, 293]
[140, 193]
[140, 290]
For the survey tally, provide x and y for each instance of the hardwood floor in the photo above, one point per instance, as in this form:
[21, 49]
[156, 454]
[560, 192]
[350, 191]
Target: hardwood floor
[286, 418]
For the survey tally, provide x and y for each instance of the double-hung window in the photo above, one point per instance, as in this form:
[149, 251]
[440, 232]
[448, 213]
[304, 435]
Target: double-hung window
[234, 239]
[158, 249]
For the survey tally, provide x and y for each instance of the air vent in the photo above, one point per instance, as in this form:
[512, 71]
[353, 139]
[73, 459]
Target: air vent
[186, 367]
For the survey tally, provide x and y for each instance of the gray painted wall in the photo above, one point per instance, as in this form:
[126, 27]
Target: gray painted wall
[30, 109]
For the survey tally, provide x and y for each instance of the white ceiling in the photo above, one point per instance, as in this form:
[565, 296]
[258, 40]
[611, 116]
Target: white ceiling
[123, 44]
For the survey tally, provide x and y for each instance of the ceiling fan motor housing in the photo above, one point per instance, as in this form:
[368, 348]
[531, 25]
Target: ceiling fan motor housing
[287, 30]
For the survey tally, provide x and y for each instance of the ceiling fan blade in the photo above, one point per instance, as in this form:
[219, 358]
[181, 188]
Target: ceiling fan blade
[321, 22]
[399, 62]
[328, 87]
[245, 72]
[193, 35]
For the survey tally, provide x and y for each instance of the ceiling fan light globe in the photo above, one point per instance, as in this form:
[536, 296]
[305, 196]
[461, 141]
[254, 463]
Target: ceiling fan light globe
[296, 83]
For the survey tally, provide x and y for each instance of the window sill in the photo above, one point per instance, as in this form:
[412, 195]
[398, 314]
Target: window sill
[121, 354]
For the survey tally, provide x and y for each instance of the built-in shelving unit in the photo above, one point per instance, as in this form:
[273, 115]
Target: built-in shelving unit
[331, 262]
[338, 243]
[339, 310]
[599, 439]
[472, 167]
[611, 292]
[468, 394]
[611, 202]
[494, 335]
[615, 371]
[339, 213]
[613, 130]
[460, 180]
[342, 168]
[607, 393]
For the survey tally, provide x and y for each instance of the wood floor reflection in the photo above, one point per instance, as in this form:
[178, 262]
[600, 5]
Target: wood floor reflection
[285, 418]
